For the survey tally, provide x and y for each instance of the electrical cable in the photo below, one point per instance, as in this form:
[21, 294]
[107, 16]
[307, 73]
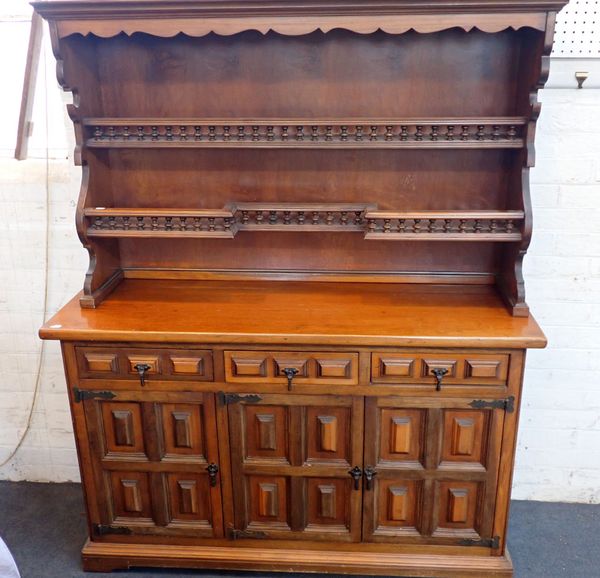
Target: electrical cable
[40, 363]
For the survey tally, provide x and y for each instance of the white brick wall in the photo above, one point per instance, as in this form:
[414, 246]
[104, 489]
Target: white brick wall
[559, 444]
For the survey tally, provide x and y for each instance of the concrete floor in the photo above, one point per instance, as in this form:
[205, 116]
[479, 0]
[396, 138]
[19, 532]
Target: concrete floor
[44, 527]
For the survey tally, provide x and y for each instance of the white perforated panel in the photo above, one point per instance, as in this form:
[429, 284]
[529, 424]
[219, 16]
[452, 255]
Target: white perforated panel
[578, 30]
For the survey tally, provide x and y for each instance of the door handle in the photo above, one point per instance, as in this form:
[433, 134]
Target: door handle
[438, 373]
[356, 474]
[370, 473]
[213, 470]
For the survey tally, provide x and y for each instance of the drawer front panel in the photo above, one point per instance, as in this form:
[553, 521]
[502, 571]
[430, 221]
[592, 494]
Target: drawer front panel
[162, 364]
[461, 368]
[311, 367]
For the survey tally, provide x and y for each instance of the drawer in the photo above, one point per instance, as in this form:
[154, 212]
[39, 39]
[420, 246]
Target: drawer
[420, 368]
[162, 364]
[312, 368]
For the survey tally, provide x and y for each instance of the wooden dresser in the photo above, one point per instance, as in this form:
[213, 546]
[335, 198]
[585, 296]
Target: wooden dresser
[301, 339]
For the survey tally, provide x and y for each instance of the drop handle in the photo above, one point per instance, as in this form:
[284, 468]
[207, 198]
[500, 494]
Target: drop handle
[290, 373]
[370, 474]
[213, 470]
[356, 474]
[142, 368]
[438, 373]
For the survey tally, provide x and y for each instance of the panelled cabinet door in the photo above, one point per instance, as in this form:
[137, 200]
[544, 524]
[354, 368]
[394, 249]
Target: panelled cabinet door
[435, 471]
[291, 458]
[156, 464]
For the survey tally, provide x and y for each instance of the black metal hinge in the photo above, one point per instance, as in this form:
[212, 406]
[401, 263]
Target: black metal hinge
[102, 530]
[507, 404]
[235, 534]
[81, 394]
[229, 398]
[484, 543]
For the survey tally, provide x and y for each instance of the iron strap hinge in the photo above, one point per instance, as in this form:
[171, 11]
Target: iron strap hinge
[102, 530]
[229, 398]
[80, 394]
[235, 534]
[493, 543]
[507, 404]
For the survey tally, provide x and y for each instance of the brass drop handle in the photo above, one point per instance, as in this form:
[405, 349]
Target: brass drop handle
[370, 473]
[142, 368]
[290, 373]
[356, 474]
[439, 373]
[213, 470]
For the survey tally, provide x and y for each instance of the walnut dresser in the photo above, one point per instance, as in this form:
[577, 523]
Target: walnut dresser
[301, 339]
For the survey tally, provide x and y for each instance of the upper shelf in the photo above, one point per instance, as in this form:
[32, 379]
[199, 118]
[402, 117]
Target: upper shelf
[477, 133]
[494, 226]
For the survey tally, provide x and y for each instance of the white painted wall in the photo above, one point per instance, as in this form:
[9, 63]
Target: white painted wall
[559, 444]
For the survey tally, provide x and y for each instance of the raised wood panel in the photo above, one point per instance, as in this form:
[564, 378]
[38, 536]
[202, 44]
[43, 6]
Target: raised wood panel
[190, 365]
[465, 436]
[131, 496]
[459, 506]
[399, 506]
[183, 430]
[491, 367]
[336, 368]
[101, 362]
[248, 367]
[401, 435]
[266, 432]
[395, 365]
[430, 364]
[122, 428]
[189, 499]
[153, 361]
[268, 500]
[328, 430]
[328, 503]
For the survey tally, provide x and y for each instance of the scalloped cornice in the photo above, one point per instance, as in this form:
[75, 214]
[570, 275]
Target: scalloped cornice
[292, 17]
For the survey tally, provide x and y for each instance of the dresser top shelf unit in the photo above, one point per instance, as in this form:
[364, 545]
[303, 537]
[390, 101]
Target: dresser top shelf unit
[215, 135]
[271, 312]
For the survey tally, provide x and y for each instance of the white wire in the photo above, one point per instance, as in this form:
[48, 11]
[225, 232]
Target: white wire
[40, 364]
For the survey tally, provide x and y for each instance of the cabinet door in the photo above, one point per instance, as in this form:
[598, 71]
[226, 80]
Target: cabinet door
[155, 463]
[436, 470]
[291, 457]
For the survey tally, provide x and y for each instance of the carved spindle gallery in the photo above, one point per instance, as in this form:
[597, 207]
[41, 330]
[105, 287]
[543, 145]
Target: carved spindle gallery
[389, 135]
[373, 135]
[212, 133]
[480, 135]
[284, 132]
[358, 135]
[419, 133]
[226, 133]
[300, 132]
[404, 133]
[464, 135]
[169, 132]
[270, 133]
[255, 133]
[434, 132]
[154, 133]
[450, 132]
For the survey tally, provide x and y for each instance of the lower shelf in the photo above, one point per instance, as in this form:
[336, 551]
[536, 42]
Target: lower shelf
[102, 557]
